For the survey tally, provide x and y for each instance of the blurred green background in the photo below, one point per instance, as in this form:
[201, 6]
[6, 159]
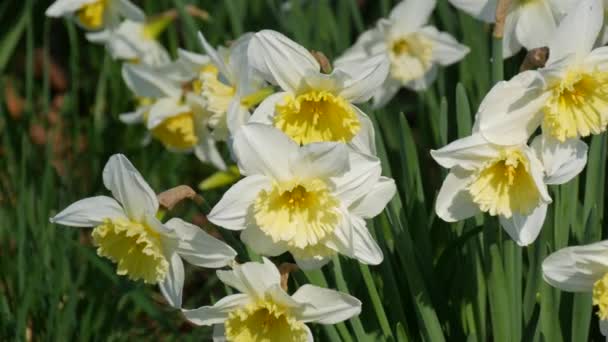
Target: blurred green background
[60, 98]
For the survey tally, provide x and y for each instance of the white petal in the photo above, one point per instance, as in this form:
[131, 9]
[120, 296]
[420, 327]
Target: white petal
[537, 173]
[325, 306]
[598, 58]
[511, 111]
[164, 109]
[280, 297]
[410, 15]
[128, 10]
[89, 212]
[604, 327]
[425, 81]
[232, 211]
[481, 9]
[446, 49]
[281, 60]
[215, 57]
[199, 248]
[365, 77]
[469, 153]
[263, 149]
[562, 7]
[99, 37]
[561, 161]
[252, 278]
[129, 188]
[370, 43]
[125, 41]
[245, 78]
[577, 32]
[62, 7]
[133, 117]
[320, 160]
[261, 243]
[366, 249]
[352, 238]
[454, 202]
[577, 268]
[206, 149]
[525, 229]
[313, 263]
[187, 66]
[510, 43]
[217, 314]
[536, 25]
[309, 338]
[154, 223]
[265, 112]
[375, 200]
[237, 116]
[359, 180]
[385, 92]
[173, 285]
[365, 140]
[147, 82]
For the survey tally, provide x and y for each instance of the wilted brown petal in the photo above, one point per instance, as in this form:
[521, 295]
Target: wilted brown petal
[286, 268]
[172, 197]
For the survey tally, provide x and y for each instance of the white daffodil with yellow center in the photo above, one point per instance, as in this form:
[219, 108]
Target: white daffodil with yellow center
[414, 48]
[314, 106]
[582, 269]
[505, 181]
[173, 113]
[128, 232]
[310, 200]
[230, 87]
[568, 97]
[529, 23]
[134, 42]
[264, 312]
[96, 14]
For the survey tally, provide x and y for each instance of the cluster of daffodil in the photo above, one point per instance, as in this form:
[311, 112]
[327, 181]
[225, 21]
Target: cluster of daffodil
[503, 168]
[308, 156]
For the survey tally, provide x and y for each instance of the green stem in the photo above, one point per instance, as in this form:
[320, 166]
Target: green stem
[342, 287]
[376, 302]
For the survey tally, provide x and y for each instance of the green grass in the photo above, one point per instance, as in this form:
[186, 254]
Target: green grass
[454, 282]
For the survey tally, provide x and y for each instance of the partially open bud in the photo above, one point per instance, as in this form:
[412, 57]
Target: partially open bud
[536, 58]
[502, 10]
[170, 198]
[326, 67]
[286, 268]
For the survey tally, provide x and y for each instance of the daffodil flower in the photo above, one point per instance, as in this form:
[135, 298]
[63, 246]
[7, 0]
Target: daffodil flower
[133, 42]
[505, 181]
[414, 48]
[128, 232]
[313, 106]
[568, 97]
[263, 311]
[309, 200]
[174, 116]
[96, 14]
[529, 23]
[230, 87]
[186, 68]
[582, 269]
